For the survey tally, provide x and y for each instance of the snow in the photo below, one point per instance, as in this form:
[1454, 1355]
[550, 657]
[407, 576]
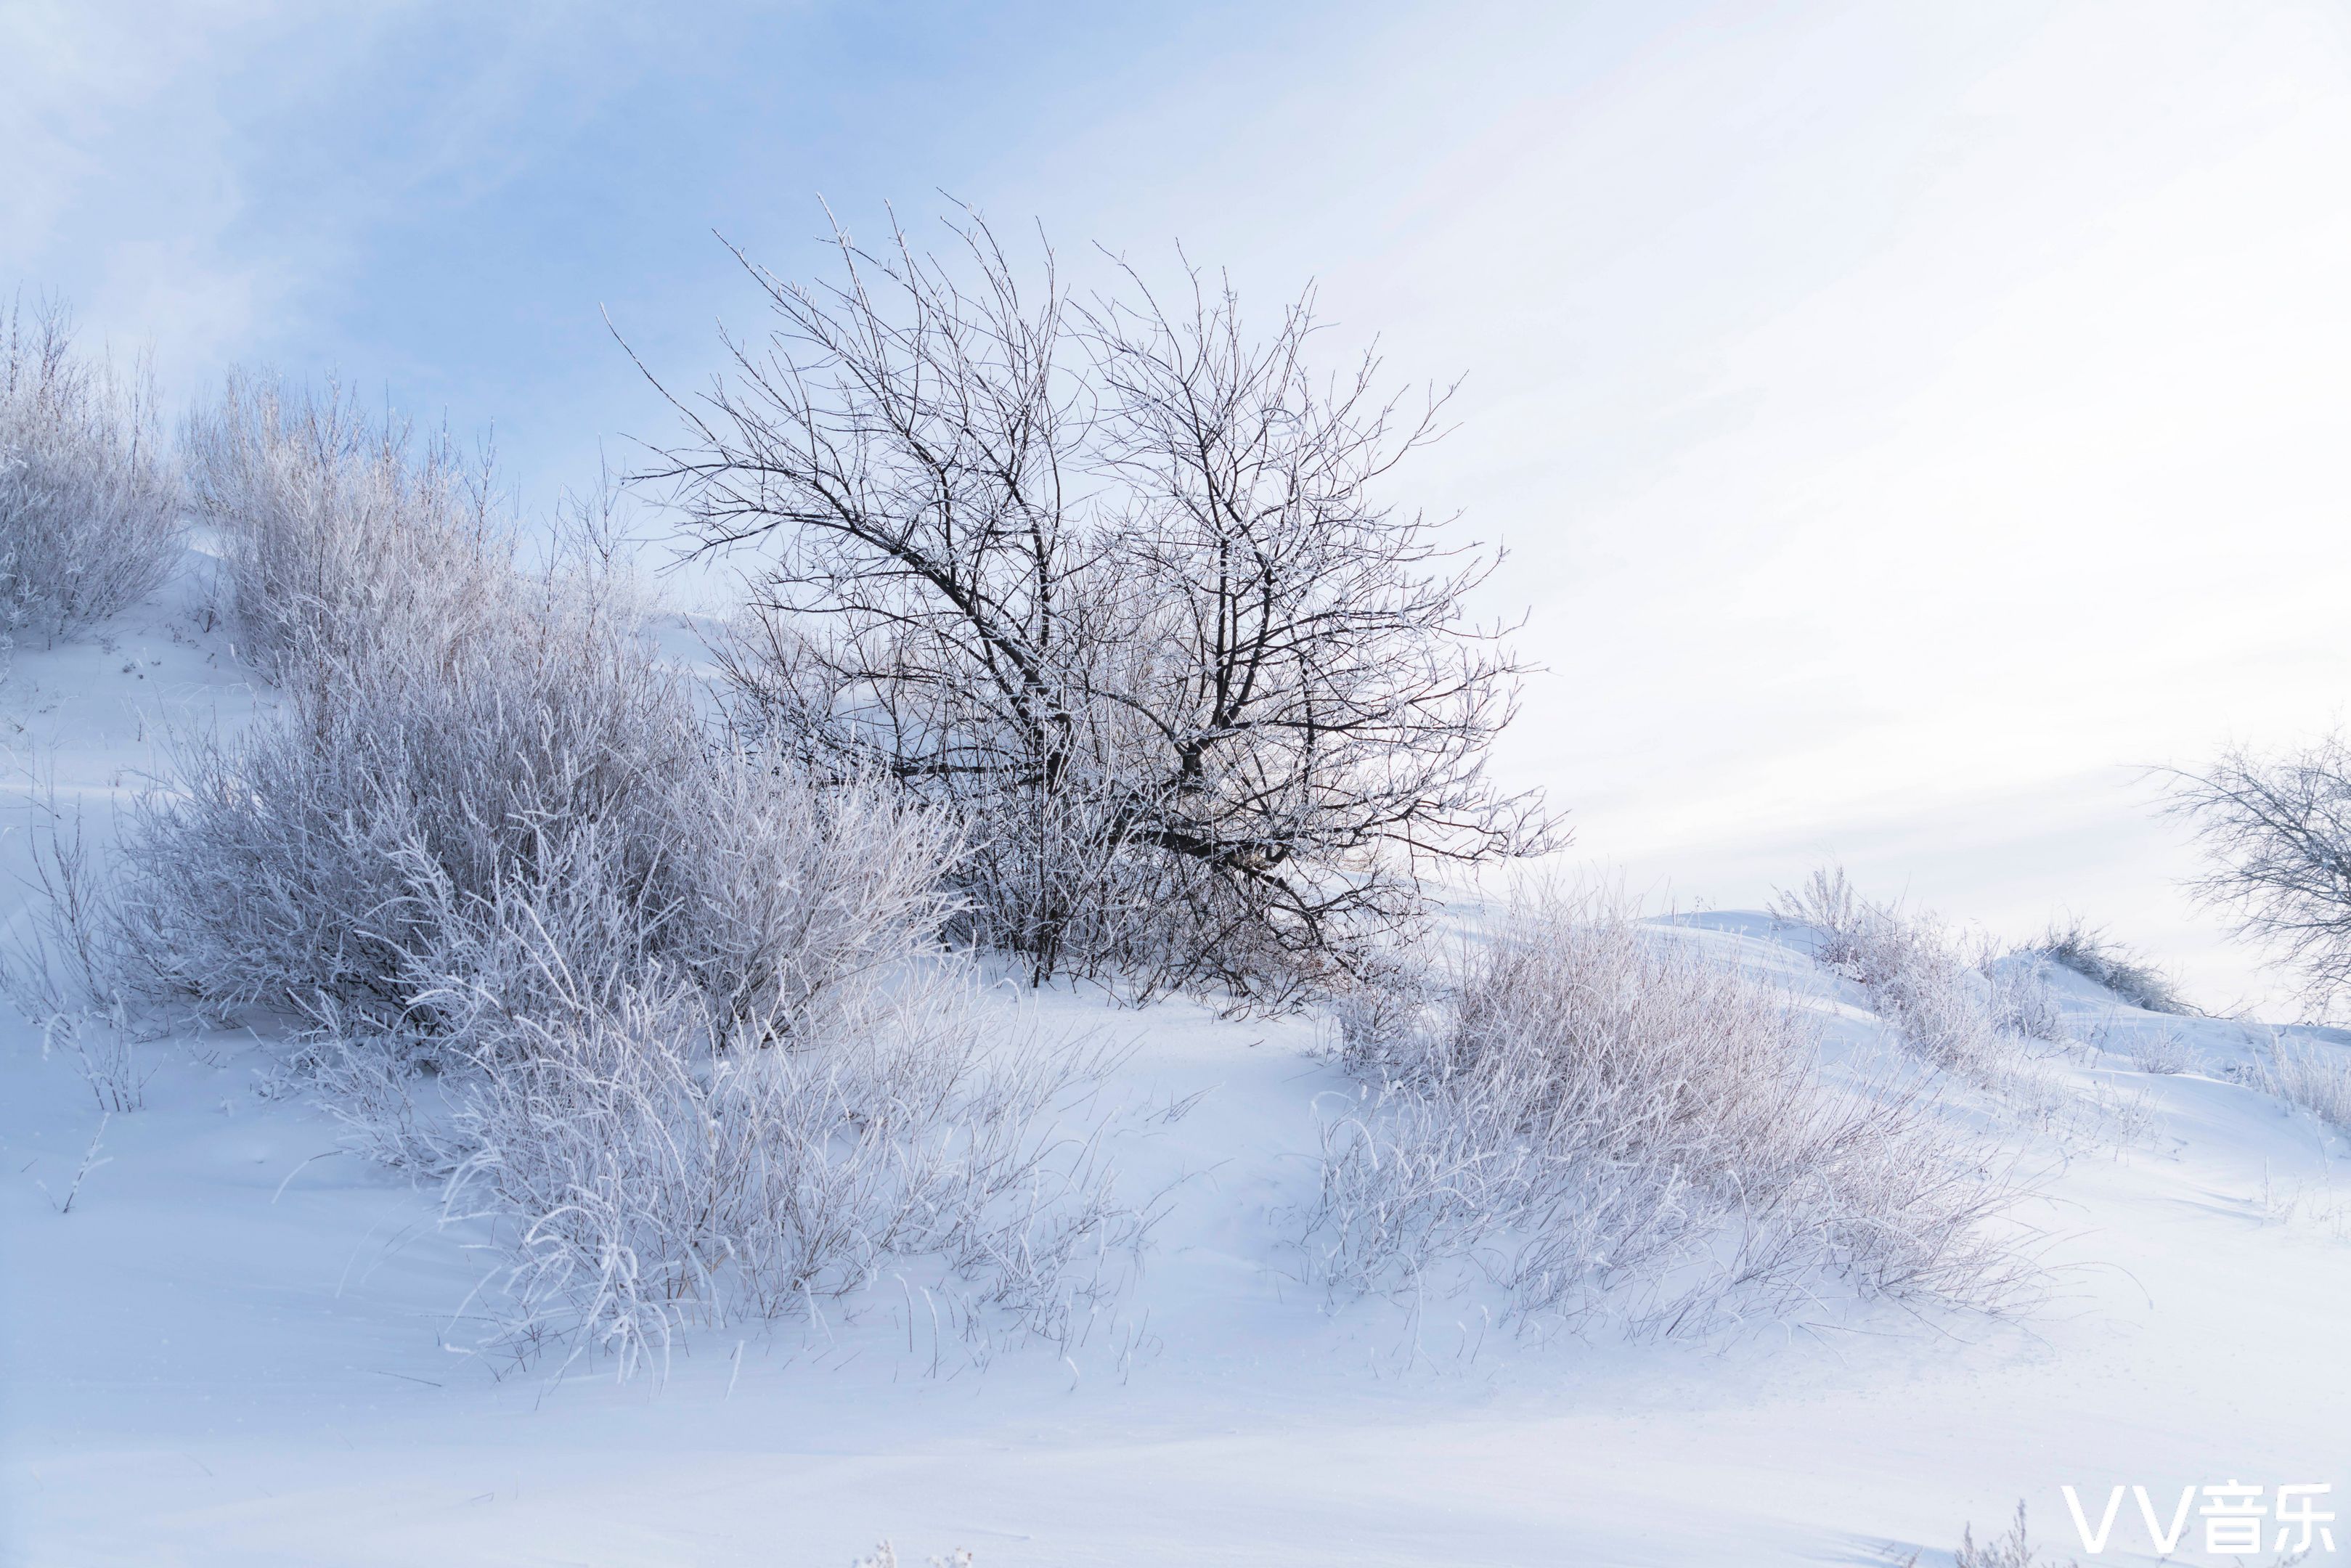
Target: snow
[232, 1353]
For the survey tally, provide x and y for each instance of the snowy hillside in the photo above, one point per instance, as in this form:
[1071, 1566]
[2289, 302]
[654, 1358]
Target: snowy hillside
[245, 1345]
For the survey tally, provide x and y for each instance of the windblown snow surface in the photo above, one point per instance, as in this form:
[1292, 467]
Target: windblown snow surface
[236, 1350]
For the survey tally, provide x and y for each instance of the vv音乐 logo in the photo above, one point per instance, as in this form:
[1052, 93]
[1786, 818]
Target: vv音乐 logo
[2236, 1517]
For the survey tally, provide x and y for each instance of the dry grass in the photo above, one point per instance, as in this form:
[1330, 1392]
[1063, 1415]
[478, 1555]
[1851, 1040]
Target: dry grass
[645, 1170]
[2092, 954]
[2311, 1074]
[1607, 1123]
[886, 1556]
[2162, 1054]
[1915, 977]
[2023, 1004]
[1988, 1023]
[2013, 1549]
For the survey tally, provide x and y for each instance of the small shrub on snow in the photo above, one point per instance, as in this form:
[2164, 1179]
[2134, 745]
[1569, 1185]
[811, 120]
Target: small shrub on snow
[2163, 1053]
[646, 1166]
[1602, 1121]
[2022, 1002]
[60, 964]
[2013, 1550]
[1914, 972]
[2093, 955]
[89, 501]
[886, 1556]
[1976, 1021]
[60, 958]
[2312, 1075]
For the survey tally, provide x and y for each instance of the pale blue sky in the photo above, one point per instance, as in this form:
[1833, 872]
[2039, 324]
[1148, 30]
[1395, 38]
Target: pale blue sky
[1904, 417]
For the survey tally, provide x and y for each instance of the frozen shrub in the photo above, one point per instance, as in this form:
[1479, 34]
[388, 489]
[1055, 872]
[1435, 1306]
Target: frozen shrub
[2013, 1550]
[757, 1098]
[2163, 1053]
[59, 958]
[455, 732]
[1839, 918]
[2022, 1002]
[886, 1556]
[2311, 1074]
[338, 533]
[278, 868]
[1977, 1021]
[89, 501]
[60, 962]
[1602, 1120]
[652, 1149]
[2093, 955]
[647, 1167]
[304, 864]
[1915, 975]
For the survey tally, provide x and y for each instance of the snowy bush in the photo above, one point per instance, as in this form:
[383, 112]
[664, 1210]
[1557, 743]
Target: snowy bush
[60, 955]
[307, 863]
[1117, 587]
[647, 1166]
[652, 1150]
[1992, 1023]
[1916, 974]
[2022, 1001]
[2094, 955]
[765, 1106]
[2311, 1074]
[338, 531]
[454, 733]
[1601, 1121]
[90, 500]
[886, 1556]
[2162, 1053]
[285, 866]
[61, 964]
[2011, 1550]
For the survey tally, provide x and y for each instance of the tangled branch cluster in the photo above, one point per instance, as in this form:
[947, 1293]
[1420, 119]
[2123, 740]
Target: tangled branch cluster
[1112, 583]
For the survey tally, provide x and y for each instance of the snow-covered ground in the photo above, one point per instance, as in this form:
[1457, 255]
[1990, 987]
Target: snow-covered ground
[231, 1351]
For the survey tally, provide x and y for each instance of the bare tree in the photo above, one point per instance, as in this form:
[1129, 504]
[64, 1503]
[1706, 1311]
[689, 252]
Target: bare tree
[1317, 711]
[2278, 835]
[906, 446]
[1111, 582]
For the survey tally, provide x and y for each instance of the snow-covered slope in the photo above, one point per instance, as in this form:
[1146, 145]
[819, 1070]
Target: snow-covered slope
[231, 1350]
